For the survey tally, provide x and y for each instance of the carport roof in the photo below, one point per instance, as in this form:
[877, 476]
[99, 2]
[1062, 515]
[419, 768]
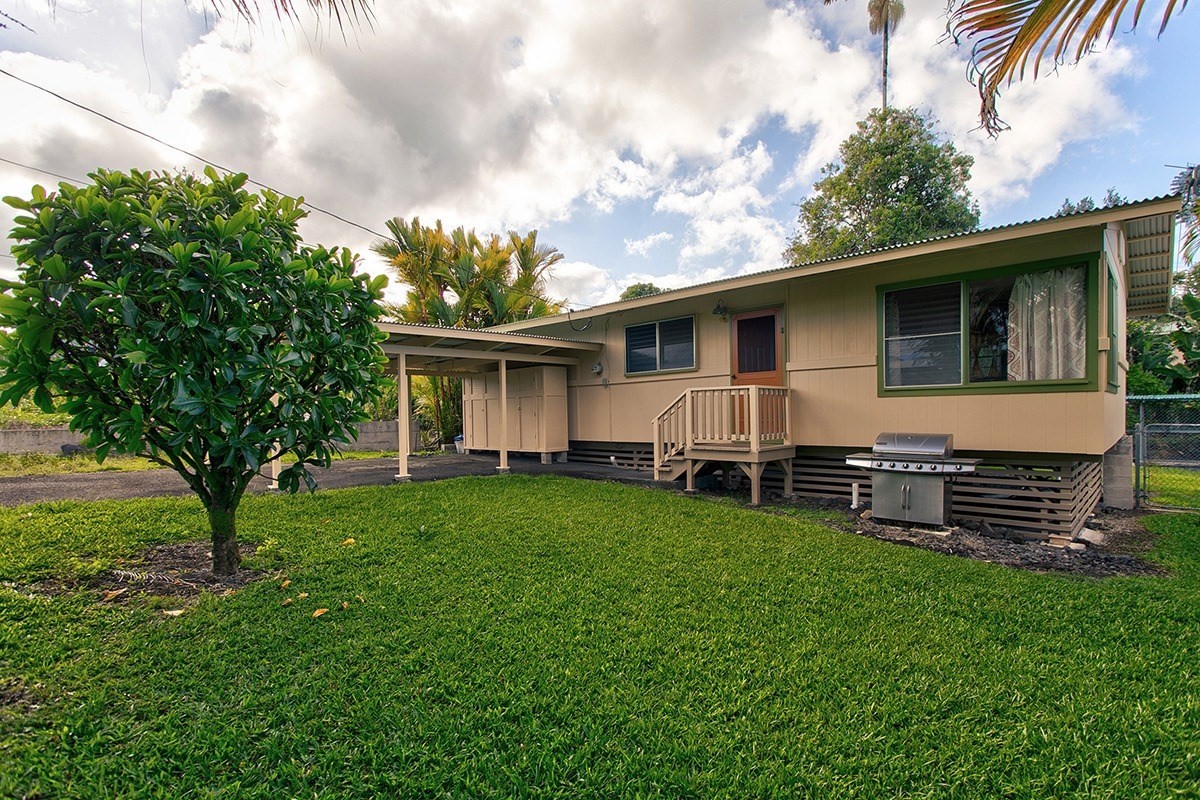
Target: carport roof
[436, 350]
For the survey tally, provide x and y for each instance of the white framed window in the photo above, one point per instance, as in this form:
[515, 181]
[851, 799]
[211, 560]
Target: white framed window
[660, 346]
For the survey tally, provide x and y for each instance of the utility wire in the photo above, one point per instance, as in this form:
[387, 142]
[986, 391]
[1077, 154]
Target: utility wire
[177, 149]
[190, 154]
[39, 169]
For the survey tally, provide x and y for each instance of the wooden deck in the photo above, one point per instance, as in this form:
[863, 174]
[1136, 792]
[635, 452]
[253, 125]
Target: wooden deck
[743, 427]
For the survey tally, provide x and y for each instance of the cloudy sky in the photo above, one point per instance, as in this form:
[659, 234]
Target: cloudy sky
[666, 141]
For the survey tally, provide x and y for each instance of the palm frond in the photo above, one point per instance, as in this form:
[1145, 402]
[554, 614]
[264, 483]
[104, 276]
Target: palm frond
[1010, 36]
[342, 12]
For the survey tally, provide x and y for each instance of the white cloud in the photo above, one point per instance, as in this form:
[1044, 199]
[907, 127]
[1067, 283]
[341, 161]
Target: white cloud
[1074, 104]
[515, 115]
[729, 217]
[642, 247]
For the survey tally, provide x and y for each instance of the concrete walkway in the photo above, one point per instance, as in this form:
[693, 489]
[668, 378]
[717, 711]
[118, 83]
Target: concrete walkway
[342, 474]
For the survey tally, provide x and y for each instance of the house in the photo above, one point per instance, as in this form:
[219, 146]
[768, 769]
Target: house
[1011, 339]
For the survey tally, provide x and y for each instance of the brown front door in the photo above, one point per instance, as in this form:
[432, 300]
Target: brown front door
[758, 348]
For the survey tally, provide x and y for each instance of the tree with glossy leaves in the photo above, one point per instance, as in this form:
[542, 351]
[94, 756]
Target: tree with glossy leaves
[181, 319]
[896, 182]
[1008, 37]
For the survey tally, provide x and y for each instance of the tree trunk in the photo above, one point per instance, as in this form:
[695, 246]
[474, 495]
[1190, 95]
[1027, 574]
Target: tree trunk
[883, 80]
[222, 520]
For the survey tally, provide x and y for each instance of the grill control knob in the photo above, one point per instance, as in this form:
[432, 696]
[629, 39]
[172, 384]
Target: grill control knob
[879, 463]
[892, 465]
[958, 467]
[920, 466]
[906, 466]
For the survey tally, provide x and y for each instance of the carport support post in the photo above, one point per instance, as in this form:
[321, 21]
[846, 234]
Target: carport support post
[402, 415]
[277, 462]
[503, 416]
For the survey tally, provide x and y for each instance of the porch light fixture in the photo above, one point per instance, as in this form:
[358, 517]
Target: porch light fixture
[720, 310]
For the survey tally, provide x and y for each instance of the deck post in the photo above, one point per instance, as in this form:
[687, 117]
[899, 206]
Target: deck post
[689, 426]
[403, 414]
[789, 490]
[787, 415]
[756, 472]
[691, 477]
[657, 447]
[503, 416]
[755, 422]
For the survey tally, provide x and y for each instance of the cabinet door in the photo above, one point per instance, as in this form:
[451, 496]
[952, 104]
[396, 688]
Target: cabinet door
[887, 495]
[927, 499]
[529, 423]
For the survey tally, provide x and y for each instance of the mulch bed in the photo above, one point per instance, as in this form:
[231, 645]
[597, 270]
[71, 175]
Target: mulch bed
[167, 570]
[1125, 537]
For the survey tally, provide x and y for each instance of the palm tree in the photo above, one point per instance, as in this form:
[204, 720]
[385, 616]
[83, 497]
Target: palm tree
[1008, 34]
[882, 18]
[461, 280]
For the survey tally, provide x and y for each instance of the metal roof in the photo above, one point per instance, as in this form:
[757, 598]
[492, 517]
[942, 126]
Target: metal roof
[1161, 209]
[1149, 261]
[438, 350]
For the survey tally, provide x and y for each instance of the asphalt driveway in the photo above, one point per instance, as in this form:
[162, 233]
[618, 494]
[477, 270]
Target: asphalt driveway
[342, 474]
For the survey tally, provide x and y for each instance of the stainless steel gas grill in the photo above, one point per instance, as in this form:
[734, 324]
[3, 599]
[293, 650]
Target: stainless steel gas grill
[911, 475]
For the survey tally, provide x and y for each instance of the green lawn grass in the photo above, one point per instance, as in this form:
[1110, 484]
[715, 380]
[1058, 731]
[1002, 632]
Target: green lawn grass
[14, 465]
[550, 637]
[26, 414]
[1173, 486]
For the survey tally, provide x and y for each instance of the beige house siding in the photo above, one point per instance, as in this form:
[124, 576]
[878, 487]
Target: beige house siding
[830, 342]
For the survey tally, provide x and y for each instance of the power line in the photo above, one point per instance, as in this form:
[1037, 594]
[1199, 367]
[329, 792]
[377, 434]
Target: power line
[39, 169]
[177, 149]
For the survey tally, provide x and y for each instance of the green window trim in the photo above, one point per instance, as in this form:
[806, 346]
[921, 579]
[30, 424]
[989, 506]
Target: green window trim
[1090, 381]
[1114, 335]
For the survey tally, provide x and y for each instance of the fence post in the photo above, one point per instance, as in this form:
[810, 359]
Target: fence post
[1139, 456]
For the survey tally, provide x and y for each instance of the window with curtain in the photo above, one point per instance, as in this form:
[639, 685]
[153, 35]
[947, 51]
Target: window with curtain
[660, 346]
[1012, 328]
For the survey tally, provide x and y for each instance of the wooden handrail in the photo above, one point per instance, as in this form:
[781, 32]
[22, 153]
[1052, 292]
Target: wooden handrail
[736, 417]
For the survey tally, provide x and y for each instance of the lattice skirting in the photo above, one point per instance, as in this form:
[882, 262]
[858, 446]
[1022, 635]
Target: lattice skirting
[1050, 500]
[1046, 499]
[630, 455]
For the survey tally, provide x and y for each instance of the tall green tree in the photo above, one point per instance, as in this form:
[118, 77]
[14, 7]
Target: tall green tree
[459, 279]
[896, 181]
[182, 320]
[1069, 206]
[635, 290]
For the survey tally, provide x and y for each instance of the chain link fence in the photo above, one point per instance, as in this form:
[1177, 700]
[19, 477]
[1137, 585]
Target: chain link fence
[1166, 449]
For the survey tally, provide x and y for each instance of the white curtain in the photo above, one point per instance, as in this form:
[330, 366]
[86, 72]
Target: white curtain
[1047, 326]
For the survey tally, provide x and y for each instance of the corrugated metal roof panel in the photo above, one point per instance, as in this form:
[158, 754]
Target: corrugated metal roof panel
[1143, 228]
[1149, 256]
